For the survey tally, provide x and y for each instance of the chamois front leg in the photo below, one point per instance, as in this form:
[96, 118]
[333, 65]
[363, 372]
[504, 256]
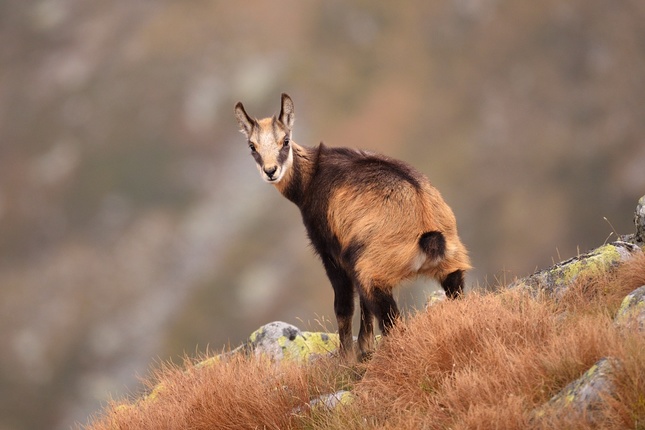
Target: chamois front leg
[343, 303]
[366, 332]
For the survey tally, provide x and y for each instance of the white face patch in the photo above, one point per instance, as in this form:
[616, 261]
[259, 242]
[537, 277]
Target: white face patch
[282, 170]
[271, 147]
[279, 173]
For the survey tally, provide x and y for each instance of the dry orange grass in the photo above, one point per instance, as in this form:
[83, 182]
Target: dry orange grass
[486, 361]
[239, 393]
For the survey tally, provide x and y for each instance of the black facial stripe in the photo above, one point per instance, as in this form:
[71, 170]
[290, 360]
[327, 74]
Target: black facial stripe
[258, 157]
[283, 155]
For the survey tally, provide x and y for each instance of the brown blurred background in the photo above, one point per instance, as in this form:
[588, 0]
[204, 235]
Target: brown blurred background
[134, 227]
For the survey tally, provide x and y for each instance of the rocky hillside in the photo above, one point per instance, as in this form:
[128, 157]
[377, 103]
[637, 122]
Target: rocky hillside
[563, 348]
[132, 221]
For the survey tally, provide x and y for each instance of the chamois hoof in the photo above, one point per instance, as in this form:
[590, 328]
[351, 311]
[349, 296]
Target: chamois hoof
[364, 356]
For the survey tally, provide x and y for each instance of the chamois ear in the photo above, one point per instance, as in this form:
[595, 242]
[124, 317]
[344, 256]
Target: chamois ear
[243, 119]
[287, 114]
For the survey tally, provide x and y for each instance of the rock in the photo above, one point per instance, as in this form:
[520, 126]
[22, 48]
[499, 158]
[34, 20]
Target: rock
[556, 279]
[331, 401]
[632, 310]
[639, 220]
[326, 402]
[638, 237]
[584, 396]
[436, 297]
[279, 341]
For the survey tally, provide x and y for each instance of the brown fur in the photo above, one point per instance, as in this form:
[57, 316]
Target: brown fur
[366, 215]
[393, 239]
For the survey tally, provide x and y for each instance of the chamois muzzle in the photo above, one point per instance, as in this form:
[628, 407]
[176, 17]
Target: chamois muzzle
[270, 171]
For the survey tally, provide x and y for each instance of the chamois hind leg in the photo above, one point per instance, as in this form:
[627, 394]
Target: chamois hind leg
[366, 332]
[453, 284]
[343, 303]
[384, 308]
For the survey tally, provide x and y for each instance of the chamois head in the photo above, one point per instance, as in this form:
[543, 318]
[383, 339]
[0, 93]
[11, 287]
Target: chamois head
[269, 140]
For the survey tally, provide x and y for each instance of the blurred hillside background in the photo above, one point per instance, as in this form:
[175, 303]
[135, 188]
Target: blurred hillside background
[134, 227]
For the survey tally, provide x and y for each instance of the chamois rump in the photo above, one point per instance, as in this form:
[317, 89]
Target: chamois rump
[373, 220]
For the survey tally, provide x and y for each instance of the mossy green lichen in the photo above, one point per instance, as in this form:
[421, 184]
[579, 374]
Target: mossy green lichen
[151, 397]
[282, 341]
[556, 279]
[209, 362]
[308, 344]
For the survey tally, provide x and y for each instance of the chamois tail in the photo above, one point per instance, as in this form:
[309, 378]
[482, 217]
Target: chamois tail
[433, 243]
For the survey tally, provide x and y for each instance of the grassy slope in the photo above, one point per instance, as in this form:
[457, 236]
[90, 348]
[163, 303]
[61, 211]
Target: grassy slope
[485, 361]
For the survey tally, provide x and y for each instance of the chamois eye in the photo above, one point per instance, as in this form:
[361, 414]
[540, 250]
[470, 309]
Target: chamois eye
[252, 146]
[286, 141]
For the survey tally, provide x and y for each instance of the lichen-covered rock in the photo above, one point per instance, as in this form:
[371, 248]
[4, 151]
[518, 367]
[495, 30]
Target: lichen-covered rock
[556, 279]
[638, 237]
[330, 401]
[281, 341]
[639, 220]
[586, 394]
[326, 402]
[632, 310]
[151, 397]
[436, 297]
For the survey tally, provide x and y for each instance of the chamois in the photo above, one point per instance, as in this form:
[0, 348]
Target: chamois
[373, 220]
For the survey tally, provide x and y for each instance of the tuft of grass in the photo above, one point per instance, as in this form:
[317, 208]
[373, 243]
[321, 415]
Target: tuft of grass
[484, 361]
[234, 393]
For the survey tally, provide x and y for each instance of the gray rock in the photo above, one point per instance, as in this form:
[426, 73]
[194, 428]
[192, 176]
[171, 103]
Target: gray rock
[436, 297]
[584, 396]
[279, 341]
[331, 401]
[638, 237]
[639, 220]
[632, 310]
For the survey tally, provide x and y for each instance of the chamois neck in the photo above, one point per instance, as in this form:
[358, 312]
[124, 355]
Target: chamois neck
[295, 184]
